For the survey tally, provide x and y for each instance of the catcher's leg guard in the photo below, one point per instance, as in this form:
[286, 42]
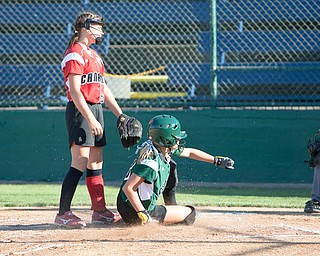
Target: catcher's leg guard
[190, 219]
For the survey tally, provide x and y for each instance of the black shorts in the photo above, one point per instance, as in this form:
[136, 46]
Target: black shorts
[78, 128]
[130, 216]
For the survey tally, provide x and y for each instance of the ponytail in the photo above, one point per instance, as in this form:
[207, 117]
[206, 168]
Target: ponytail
[73, 40]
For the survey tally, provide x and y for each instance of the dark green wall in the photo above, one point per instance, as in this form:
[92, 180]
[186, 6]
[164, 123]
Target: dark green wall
[267, 146]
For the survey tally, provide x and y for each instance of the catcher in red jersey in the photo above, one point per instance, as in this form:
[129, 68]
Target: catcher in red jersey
[83, 71]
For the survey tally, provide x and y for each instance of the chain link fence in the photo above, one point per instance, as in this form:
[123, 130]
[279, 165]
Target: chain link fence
[168, 53]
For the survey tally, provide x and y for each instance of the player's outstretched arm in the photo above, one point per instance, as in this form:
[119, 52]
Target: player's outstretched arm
[199, 155]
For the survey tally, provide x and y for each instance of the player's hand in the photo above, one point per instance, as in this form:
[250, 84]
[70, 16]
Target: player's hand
[223, 162]
[144, 216]
[96, 128]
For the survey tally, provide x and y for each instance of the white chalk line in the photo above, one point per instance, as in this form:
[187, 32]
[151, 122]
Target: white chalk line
[300, 229]
[314, 233]
[40, 248]
[216, 214]
[271, 236]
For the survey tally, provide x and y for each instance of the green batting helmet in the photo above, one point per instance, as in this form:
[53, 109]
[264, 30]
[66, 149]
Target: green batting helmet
[165, 130]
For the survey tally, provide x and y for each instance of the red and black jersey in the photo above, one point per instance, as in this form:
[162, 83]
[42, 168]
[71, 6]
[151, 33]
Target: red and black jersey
[90, 67]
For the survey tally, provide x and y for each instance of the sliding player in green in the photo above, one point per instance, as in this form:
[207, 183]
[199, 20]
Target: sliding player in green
[148, 175]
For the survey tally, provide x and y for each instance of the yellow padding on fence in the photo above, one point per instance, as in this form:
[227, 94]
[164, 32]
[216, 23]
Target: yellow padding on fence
[143, 76]
[150, 79]
[153, 95]
[145, 79]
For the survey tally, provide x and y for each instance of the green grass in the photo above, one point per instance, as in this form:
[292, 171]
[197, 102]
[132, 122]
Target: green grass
[33, 195]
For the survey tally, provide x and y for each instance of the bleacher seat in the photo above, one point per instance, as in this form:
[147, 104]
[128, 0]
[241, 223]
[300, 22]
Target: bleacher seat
[262, 41]
[36, 75]
[267, 10]
[114, 12]
[306, 73]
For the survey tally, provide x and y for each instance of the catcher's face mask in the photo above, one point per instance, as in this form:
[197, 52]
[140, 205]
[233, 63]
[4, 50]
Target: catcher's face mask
[95, 27]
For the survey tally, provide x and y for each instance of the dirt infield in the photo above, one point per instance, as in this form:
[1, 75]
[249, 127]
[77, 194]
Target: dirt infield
[217, 231]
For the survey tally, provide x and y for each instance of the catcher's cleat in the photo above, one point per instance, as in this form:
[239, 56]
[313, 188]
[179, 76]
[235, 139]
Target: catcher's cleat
[69, 220]
[312, 206]
[105, 217]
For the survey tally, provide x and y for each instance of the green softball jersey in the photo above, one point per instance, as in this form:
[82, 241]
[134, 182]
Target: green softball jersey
[155, 169]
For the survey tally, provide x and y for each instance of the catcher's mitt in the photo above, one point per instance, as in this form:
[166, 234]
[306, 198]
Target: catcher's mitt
[313, 149]
[130, 130]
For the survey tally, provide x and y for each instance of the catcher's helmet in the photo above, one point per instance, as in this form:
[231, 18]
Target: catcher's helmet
[165, 130]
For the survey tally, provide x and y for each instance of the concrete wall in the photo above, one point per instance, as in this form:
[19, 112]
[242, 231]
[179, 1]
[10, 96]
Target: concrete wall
[267, 146]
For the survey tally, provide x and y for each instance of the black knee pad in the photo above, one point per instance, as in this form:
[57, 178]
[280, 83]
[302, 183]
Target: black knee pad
[190, 219]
